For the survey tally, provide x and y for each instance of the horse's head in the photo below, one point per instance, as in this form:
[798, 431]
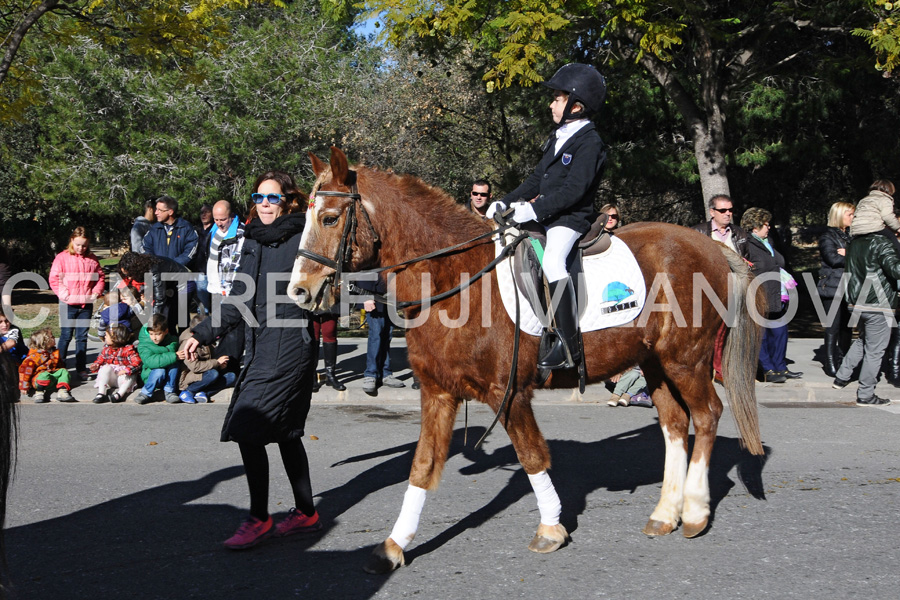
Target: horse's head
[338, 238]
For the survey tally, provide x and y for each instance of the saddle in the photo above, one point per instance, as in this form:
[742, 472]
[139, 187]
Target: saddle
[529, 274]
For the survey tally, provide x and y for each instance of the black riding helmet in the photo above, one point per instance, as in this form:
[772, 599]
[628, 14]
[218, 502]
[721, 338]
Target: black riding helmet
[584, 84]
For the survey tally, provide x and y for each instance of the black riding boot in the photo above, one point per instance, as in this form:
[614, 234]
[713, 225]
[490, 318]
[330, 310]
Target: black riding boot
[565, 346]
[832, 360]
[330, 350]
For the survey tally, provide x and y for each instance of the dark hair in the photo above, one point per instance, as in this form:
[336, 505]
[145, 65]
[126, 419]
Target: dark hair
[882, 185]
[712, 201]
[170, 202]
[483, 182]
[136, 266]
[296, 200]
[119, 336]
[157, 324]
[149, 203]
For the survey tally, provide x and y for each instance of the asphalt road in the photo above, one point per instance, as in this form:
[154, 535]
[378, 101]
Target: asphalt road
[127, 501]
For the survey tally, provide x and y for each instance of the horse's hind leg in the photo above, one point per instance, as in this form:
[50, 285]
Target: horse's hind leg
[534, 455]
[438, 415]
[705, 412]
[674, 420]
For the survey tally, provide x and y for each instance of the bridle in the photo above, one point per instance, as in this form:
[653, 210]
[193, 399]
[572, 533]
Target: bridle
[345, 253]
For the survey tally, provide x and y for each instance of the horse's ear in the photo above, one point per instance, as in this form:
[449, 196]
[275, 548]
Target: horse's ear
[317, 165]
[339, 168]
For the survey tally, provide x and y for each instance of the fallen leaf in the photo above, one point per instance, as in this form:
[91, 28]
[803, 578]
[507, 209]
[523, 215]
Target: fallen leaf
[312, 437]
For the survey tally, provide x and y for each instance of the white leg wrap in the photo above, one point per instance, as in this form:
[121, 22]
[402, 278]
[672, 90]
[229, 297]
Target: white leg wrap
[547, 499]
[408, 522]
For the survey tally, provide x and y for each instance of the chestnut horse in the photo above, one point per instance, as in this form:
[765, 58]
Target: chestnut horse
[375, 219]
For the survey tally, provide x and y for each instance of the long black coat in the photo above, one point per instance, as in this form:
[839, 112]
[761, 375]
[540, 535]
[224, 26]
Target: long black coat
[272, 394]
[566, 182]
[764, 262]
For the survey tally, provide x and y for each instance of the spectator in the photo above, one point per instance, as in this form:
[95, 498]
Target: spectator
[765, 260]
[76, 277]
[326, 326]
[378, 347]
[116, 366]
[142, 226]
[166, 291]
[41, 371]
[628, 385]
[833, 250]
[224, 256]
[5, 274]
[480, 197]
[198, 264]
[115, 312]
[272, 394]
[873, 266]
[613, 219]
[204, 373]
[720, 226]
[158, 350]
[171, 236]
[11, 339]
[9, 421]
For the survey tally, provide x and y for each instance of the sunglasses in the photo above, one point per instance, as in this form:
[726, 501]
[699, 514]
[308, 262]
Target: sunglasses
[724, 210]
[272, 198]
[482, 194]
[612, 216]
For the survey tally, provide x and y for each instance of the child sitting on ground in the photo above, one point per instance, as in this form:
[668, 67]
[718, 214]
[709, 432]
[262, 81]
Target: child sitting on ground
[158, 351]
[205, 373]
[116, 366]
[11, 339]
[41, 370]
[631, 389]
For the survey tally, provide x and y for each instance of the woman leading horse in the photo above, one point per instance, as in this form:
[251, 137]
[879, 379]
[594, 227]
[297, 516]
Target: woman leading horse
[367, 219]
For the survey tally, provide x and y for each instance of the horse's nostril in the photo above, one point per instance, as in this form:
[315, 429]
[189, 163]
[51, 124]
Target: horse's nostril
[299, 294]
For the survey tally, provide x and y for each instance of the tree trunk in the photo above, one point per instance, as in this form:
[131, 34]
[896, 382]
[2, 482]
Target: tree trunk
[18, 34]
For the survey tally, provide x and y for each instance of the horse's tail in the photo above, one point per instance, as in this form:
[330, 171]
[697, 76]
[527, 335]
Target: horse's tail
[741, 352]
[9, 395]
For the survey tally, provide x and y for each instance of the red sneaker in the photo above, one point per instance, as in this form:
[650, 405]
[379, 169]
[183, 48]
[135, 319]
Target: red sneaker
[297, 522]
[250, 533]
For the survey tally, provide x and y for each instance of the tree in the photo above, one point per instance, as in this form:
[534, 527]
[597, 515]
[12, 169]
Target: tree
[704, 56]
[156, 30]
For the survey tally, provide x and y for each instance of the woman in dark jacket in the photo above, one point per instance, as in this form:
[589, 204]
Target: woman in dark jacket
[833, 248]
[765, 260]
[167, 292]
[272, 394]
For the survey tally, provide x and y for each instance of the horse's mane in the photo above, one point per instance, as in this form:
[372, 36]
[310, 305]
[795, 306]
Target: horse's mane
[430, 203]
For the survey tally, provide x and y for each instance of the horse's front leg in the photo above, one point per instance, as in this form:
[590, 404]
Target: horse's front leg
[534, 455]
[438, 415]
[674, 421]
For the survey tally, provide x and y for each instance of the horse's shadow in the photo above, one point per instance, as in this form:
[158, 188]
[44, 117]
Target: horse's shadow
[158, 543]
[622, 462]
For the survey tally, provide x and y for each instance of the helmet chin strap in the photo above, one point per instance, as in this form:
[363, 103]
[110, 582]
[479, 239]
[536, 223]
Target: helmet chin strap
[568, 115]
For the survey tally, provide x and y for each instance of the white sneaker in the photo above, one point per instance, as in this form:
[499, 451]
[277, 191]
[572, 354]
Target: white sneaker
[64, 395]
[370, 386]
[392, 382]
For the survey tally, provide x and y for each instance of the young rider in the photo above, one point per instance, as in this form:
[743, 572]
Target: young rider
[559, 195]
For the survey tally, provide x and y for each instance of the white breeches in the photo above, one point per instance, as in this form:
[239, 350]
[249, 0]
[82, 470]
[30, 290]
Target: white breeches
[560, 241]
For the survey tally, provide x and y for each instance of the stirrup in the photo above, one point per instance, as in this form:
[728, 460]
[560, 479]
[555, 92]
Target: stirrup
[558, 356]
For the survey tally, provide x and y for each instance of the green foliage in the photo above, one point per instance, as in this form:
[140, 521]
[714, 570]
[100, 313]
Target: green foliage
[884, 35]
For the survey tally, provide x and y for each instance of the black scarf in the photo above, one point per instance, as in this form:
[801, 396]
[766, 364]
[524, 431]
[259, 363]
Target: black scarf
[278, 231]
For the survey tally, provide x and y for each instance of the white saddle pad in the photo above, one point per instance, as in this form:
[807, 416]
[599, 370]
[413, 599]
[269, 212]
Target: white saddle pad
[614, 284]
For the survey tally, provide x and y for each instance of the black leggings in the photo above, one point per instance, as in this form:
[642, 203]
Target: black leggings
[256, 466]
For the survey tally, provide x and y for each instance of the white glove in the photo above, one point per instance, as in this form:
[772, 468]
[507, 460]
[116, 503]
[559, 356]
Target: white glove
[524, 212]
[494, 208]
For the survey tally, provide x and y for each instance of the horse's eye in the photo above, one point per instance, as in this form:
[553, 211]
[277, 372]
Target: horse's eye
[329, 221]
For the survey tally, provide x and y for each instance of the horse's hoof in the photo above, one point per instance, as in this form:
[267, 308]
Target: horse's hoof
[549, 538]
[693, 529]
[386, 557]
[654, 527]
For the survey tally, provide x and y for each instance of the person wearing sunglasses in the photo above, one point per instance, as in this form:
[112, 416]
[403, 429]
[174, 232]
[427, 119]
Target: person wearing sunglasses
[272, 394]
[171, 236]
[480, 197]
[613, 219]
[721, 226]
